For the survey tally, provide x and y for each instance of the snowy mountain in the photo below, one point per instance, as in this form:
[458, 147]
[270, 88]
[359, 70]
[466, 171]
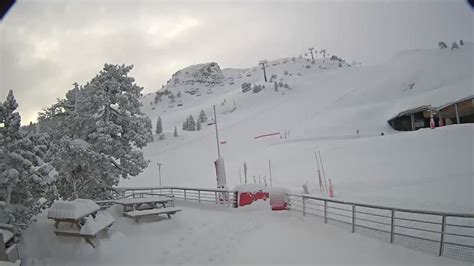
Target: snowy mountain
[328, 106]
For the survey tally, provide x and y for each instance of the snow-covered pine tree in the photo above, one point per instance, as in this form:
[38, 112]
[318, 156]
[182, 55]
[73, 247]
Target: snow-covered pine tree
[191, 123]
[202, 116]
[186, 123]
[175, 133]
[159, 126]
[25, 179]
[454, 46]
[442, 45]
[99, 131]
[198, 125]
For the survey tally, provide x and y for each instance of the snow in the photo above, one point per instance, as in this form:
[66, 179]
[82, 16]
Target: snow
[72, 209]
[278, 193]
[6, 263]
[93, 225]
[251, 188]
[426, 169]
[216, 235]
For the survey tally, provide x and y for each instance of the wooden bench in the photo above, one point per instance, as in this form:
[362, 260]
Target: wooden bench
[137, 214]
[104, 204]
[89, 236]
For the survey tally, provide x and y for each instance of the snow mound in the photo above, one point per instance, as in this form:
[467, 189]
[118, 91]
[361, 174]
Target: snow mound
[72, 209]
[278, 193]
[208, 73]
[251, 188]
[92, 226]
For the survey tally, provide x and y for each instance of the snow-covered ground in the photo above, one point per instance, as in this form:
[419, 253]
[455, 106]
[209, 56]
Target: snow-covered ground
[327, 104]
[217, 235]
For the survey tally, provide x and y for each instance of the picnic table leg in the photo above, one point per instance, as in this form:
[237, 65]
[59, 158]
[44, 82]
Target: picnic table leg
[89, 241]
[56, 224]
[169, 216]
[77, 224]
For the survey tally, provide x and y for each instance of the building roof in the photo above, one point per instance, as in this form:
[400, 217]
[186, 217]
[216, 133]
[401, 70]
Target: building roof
[471, 97]
[413, 110]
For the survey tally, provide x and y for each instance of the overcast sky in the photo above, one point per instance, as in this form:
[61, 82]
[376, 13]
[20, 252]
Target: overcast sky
[46, 46]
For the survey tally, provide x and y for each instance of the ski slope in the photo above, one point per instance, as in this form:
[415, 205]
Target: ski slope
[326, 105]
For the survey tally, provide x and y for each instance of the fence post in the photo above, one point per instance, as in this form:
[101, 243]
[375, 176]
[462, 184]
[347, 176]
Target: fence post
[171, 191]
[304, 206]
[236, 199]
[199, 196]
[441, 242]
[184, 194]
[353, 218]
[325, 212]
[215, 195]
[151, 192]
[133, 193]
[392, 225]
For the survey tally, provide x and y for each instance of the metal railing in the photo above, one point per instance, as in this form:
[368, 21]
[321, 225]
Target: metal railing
[440, 233]
[200, 195]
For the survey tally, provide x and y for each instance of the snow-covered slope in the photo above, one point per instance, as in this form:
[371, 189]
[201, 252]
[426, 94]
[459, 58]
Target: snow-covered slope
[323, 106]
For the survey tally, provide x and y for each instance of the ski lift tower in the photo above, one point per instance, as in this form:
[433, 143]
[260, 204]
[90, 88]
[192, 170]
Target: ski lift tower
[263, 62]
[220, 166]
[311, 50]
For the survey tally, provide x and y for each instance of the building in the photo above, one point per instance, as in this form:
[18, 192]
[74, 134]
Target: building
[412, 119]
[457, 112]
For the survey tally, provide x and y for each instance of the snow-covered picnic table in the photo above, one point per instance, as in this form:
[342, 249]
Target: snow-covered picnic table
[84, 214]
[72, 211]
[135, 203]
[132, 207]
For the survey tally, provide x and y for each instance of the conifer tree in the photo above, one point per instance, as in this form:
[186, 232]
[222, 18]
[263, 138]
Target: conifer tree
[159, 126]
[26, 181]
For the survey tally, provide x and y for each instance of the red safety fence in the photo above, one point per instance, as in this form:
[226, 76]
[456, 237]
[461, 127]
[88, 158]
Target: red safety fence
[267, 135]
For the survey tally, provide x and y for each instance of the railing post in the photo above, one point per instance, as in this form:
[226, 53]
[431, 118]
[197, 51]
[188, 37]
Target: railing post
[325, 212]
[199, 196]
[304, 206]
[215, 195]
[184, 194]
[353, 218]
[133, 193]
[236, 199]
[392, 225]
[441, 242]
[171, 191]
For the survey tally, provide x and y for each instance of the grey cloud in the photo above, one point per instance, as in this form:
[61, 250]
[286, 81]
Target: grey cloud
[46, 46]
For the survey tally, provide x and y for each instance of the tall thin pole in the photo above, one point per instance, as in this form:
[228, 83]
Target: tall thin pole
[263, 62]
[159, 173]
[324, 174]
[217, 134]
[319, 172]
[270, 168]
